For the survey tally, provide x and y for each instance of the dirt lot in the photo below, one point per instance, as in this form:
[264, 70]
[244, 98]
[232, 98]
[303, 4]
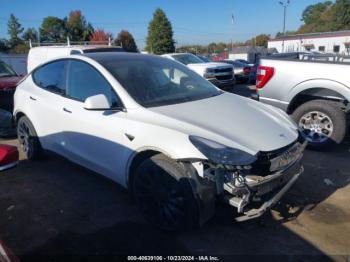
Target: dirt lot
[56, 208]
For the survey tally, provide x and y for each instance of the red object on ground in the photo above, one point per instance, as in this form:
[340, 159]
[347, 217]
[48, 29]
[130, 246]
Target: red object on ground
[8, 156]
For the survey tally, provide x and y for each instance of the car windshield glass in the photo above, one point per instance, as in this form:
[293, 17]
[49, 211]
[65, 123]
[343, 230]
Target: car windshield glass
[156, 81]
[187, 59]
[6, 71]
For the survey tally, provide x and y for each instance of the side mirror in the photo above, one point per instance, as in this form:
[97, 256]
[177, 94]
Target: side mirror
[97, 102]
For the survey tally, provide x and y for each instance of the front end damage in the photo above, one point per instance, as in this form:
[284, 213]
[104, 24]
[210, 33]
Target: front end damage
[255, 188]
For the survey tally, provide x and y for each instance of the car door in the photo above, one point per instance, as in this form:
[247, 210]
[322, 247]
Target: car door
[45, 102]
[95, 138]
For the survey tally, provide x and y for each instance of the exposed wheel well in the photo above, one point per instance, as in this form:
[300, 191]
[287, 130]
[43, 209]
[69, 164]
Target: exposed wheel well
[18, 116]
[136, 161]
[313, 94]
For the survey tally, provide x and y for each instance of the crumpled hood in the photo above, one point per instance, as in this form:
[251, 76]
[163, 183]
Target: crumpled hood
[9, 82]
[233, 121]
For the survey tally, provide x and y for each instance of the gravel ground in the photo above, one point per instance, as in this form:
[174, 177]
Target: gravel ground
[55, 208]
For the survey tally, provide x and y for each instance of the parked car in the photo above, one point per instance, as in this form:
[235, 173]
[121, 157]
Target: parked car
[161, 130]
[220, 74]
[8, 82]
[8, 157]
[315, 93]
[241, 70]
[41, 54]
[244, 62]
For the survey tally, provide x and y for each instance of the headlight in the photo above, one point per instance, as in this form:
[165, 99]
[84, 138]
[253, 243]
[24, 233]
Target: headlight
[221, 154]
[209, 73]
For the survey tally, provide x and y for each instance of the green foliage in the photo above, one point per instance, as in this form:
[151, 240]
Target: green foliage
[280, 34]
[326, 16]
[30, 34]
[77, 28]
[52, 29]
[259, 40]
[126, 40]
[160, 34]
[19, 49]
[341, 18]
[14, 30]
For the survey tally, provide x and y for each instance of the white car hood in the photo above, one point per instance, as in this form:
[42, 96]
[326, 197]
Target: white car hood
[231, 120]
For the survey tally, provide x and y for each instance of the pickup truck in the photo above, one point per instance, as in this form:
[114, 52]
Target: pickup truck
[219, 74]
[316, 92]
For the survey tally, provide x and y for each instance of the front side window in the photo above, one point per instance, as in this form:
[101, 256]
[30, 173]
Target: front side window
[85, 81]
[51, 77]
[156, 81]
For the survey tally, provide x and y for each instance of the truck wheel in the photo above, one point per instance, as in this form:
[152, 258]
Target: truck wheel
[28, 139]
[323, 123]
[164, 194]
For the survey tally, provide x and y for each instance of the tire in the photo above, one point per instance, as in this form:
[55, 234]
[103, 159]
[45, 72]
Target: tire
[28, 139]
[328, 126]
[164, 194]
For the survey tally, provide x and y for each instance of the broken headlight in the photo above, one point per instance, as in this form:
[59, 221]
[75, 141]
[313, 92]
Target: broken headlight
[221, 154]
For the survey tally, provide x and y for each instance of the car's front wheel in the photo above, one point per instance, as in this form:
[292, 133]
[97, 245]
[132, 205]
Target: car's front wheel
[28, 139]
[164, 194]
[323, 123]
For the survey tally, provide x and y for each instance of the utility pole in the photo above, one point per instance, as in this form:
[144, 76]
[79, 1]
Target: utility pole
[284, 5]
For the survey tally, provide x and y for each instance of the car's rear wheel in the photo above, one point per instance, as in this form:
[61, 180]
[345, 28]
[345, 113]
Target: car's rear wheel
[28, 139]
[323, 123]
[164, 194]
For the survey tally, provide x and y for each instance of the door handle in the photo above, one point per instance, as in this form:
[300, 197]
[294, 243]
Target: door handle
[66, 110]
[32, 98]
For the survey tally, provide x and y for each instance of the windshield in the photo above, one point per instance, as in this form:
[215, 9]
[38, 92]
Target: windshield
[6, 71]
[156, 81]
[187, 59]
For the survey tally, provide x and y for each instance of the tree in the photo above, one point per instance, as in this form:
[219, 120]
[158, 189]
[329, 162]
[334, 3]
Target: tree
[14, 30]
[100, 36]
[4, 45]
[317, 18]
[52, 29]
[262, 40]
[30, 34]
[126, 40]
[160, 34]
[77, 27]
[341, 15]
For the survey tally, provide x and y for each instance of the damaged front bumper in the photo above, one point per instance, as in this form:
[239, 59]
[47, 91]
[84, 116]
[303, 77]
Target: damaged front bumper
[279, 185]
[254, 189]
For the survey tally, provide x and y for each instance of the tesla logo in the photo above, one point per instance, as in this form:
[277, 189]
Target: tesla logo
[283, 135]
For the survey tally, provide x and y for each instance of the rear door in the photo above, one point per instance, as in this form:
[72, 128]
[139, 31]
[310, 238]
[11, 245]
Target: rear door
[93, 139]
[46, 101]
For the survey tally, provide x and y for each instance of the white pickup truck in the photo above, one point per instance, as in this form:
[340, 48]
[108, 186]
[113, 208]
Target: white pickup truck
[314, 89]
[220, 74]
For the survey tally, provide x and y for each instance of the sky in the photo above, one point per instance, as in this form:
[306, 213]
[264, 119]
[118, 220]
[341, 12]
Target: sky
[193, 21]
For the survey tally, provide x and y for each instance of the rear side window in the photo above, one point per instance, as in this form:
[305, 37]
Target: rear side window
[85, 81]
[51, 77]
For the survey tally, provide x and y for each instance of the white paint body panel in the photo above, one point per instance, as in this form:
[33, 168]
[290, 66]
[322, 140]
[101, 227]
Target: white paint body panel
[98, 141]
